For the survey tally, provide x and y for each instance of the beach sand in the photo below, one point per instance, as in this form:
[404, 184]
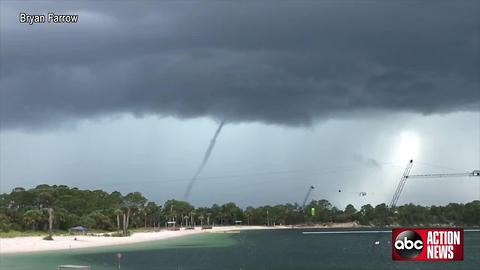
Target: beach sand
[36, 243]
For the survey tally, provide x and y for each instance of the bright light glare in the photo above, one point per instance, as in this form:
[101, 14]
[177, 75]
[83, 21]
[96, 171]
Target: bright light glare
[409, 146]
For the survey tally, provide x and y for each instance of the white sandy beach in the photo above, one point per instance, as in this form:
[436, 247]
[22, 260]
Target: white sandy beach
[36, 243]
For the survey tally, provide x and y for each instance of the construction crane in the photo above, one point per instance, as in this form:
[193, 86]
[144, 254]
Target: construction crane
[406, 175]
[307, 196]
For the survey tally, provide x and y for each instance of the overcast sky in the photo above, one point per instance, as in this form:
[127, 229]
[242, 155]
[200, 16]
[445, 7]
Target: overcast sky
[335, 94]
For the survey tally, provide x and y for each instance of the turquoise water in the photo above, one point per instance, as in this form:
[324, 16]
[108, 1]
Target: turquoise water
[262, 249]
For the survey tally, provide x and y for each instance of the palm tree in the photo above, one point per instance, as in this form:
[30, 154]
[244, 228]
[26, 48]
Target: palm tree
[185, 218]
[208, 218]
[33, 217]
[117, 213]
[132, 202]
[50, 222]
[192, 221]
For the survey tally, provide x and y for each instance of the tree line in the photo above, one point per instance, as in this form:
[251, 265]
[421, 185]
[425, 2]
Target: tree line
[66, 207]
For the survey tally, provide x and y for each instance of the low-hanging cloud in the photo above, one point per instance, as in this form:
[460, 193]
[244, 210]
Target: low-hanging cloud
[280, 63]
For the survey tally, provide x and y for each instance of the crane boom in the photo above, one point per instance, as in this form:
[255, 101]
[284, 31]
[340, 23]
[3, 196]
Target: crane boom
[306, 197]
[406, 175]
[401, 184]
[442, 175]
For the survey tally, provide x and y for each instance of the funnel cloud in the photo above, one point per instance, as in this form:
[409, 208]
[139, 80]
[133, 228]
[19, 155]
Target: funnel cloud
[204, 161]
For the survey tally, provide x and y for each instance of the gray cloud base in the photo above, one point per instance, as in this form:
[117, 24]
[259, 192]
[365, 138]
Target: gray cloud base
[281, 63]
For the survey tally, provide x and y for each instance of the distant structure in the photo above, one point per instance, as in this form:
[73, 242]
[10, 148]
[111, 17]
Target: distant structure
[307, 196]
[78, 229]
[406, 175]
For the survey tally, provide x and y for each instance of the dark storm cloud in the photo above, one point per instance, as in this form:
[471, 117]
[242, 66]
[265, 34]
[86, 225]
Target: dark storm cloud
[286, 63]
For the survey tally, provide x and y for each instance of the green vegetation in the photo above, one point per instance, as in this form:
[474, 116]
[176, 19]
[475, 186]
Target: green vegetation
[26, 212]
[12, 233]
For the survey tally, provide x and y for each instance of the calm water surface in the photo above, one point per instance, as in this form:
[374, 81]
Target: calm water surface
[272, 249]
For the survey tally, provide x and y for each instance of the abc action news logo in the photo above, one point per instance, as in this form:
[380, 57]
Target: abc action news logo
[427, 244]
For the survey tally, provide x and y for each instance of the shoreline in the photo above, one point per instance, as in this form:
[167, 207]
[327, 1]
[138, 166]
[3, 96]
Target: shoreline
[33, 244]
